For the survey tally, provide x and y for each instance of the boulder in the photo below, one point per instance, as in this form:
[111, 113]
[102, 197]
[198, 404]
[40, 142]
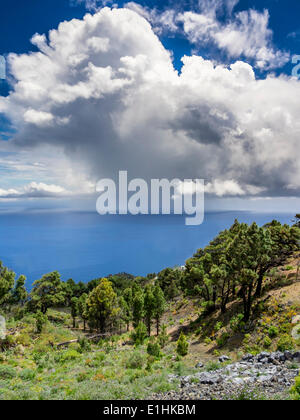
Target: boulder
[238, 381]
[263, 355]
[288, 355]
[223, 359]
[209, 379]
[249, 358]
[296, 356]
[199, 365]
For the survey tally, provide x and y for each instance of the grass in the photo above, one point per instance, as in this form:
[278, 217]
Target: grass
[35, 370]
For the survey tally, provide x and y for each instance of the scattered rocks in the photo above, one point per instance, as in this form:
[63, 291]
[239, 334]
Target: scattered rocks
[249, 358]
[262, 356]
[288, 355]
[199, 365]
[207, 378]
[224, 359]
[269, 373]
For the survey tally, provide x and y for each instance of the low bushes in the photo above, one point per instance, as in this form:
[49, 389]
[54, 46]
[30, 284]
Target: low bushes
[295, 390]
[136, 360]
[285, 342]
[7, 372]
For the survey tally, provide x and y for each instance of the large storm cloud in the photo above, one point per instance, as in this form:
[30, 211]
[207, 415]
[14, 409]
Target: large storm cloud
[104, 90]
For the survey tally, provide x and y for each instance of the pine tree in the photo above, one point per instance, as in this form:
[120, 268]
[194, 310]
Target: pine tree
[137, 307]
[149, 306]
[102, 305]
[7, 280]
[74, 310]
[127, 295]
[297, 220]
[19, 294]
[182, 345]
[159, 306]
[125, 313]
[48, 292]
[83, 309]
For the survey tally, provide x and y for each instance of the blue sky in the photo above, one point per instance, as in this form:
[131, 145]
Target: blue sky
[49, 145]
[20, 20]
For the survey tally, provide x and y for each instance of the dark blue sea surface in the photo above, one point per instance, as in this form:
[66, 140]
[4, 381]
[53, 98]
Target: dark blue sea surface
[85, 245]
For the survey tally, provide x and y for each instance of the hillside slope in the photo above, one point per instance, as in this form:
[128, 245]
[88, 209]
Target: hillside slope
[32, 366]
[209, 336]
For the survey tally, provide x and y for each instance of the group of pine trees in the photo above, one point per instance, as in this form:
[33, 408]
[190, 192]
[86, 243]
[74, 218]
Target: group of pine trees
[12, 290]
[236, 262]
[99, 304]
[233, 266]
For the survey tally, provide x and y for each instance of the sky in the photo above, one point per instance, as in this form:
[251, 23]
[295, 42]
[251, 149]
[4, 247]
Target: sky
[163, 89]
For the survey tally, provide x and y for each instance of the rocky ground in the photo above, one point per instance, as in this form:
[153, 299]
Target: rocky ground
[268, 375]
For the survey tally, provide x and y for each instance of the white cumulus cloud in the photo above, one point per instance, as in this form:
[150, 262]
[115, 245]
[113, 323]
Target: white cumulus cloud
[103, 92]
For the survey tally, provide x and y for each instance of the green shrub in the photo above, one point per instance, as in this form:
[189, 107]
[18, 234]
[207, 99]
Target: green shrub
[7, 372]
[207, 307]
[221, 341]
[218, 326]
[27, 374]
[181, 369]
[100, 356]
[135, 361]
[182, 345]
[273, 332]
[153, 349]
[139, 335]
[150, 361]
[246, 395]
[7, 342]
[212, 366]
[81, 377]
[163, 337]
[236, 323]
[23, 339]
[40, 320]
[285, 328]
[198, 331]
[70, 355]
[84, 345]
[267, 342]
[286, 342]
[295, 390]
[292, 366]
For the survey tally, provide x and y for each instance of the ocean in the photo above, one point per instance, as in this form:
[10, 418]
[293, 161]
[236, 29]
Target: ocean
[85, 245]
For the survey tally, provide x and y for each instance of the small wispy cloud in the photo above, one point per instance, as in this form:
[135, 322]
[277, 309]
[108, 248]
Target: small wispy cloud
[34, 190]
[92, 4]
[295, 35]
